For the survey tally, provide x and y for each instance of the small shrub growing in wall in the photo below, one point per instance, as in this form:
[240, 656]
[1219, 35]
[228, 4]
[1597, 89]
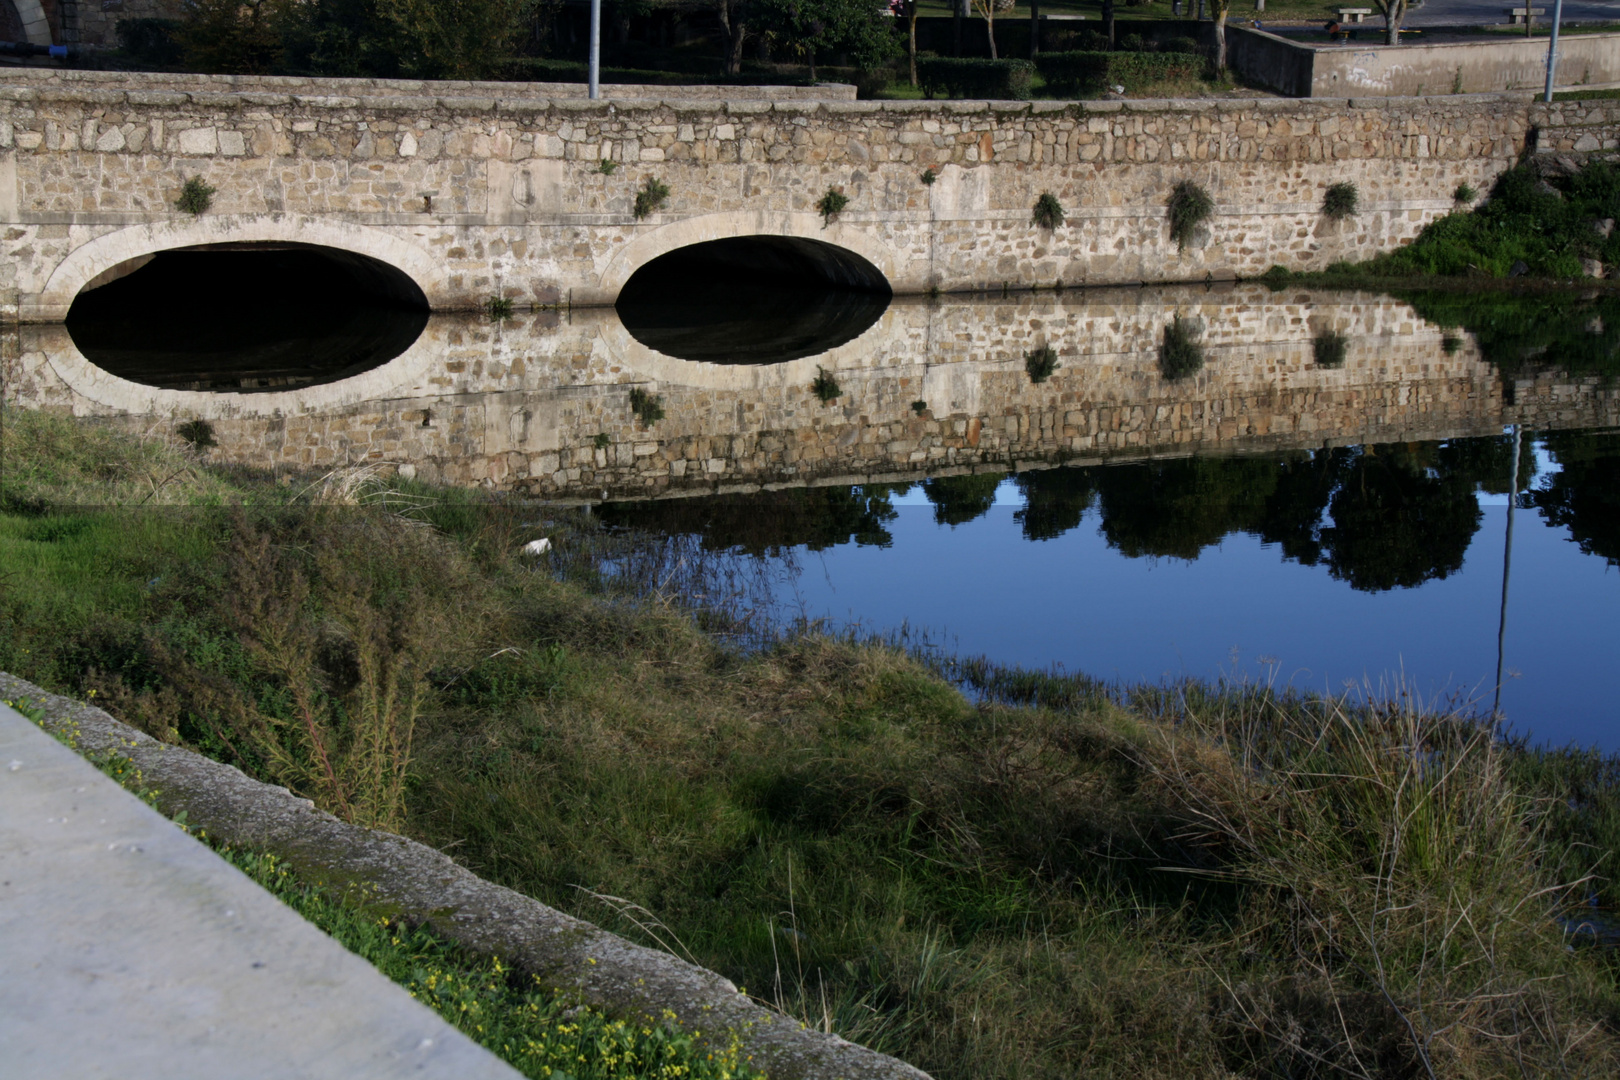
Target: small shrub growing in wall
[606, 167]
[831, 205]
[651, 196]
[199, 434]
[602, 440]
[1340, 201]
[1047, 213]
[929, 176]
[919, 407]
[1040, 364]
[649, 408]
[1180, 355]
[1450, 344]
[1329, 347]
[1465, 194]
[824, 386]
[196, 196]
[1190, 206]
[498, 308]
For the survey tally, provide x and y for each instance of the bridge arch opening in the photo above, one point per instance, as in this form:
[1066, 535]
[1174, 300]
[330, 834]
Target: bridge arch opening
[752, 299]
[244, 317]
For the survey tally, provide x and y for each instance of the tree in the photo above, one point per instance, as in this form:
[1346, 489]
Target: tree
[454, 39]
[1222, 8]
[960, 499]
[910, 8]
[1394, 13]
[233, 37]
[987, 8]
[1584, 495]
[810, 27]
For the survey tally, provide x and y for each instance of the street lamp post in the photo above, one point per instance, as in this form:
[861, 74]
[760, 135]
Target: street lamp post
[596, 50]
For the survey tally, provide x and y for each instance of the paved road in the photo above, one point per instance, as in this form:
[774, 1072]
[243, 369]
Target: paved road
[130, 950]
[1480, 12]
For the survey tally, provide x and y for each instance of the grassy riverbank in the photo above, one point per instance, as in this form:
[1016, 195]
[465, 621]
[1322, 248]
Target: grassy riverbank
[1042, 880]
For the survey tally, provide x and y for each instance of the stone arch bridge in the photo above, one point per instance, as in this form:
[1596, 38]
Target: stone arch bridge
[528, 192]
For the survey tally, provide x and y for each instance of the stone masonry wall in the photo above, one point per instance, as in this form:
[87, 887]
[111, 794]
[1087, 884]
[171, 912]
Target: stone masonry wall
[473, 195]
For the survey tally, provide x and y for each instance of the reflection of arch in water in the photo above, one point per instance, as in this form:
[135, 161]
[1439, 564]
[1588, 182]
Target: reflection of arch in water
[36, 27]
[108, 256]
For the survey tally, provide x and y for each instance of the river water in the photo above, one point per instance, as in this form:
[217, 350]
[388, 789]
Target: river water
[1322, 501]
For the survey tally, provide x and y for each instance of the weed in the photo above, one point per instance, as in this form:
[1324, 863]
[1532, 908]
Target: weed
[824, 386]
[1465, 194]
[651, 197]
[196, 196]
[498, 308]
[1047, 213]
[601, 440]
[1451, 344]
[1190, 206]
[928, 177]
[1329, 348]
[919, 407]
[1180, 354]
[831, 205]
[1039, 364]
[198, 434]
[1340, 201]
[607, 166]
[648, 408]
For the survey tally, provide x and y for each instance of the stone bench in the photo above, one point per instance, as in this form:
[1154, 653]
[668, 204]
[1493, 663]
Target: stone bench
[1519, 14]
[1352, 14]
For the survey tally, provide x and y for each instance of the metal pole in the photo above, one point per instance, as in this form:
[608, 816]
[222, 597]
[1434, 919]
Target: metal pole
[596, 50]
[1507, 564]
[1552, 45]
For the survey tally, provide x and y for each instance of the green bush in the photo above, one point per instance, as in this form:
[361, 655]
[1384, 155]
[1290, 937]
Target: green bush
[825, 387]
[1341, 201]
[1190, 206]
[498, 308]
[1092, 72]
[831, 205]
[651, 196]
[975, 77]
[1048, 212]
[196, 196]
[649, 408]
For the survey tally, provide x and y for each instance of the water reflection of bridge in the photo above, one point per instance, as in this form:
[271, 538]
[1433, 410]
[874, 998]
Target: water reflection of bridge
[541, 404]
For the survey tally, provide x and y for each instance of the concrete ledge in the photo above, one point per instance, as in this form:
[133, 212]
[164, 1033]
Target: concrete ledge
[129, 949]
[567, 953]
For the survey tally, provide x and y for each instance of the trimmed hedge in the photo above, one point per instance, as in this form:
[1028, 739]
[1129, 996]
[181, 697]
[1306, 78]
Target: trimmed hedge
[1082, 72]
[975, 77]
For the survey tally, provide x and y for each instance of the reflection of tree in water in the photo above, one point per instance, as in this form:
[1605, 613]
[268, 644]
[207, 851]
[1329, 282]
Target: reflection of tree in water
[1564, 331]
[1585, 496]
[769, 521]
[1377, 517]
[959, 499]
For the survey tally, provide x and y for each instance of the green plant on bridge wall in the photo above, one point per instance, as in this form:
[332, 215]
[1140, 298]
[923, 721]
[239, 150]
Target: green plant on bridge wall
[196, 196]
[498, 308]
[1190, 206]
[651, 196]
[1047, 213]
[1330, 348]
[1341, 201]
[831, 205]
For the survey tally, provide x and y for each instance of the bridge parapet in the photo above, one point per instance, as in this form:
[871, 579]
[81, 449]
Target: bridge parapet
[475, 193]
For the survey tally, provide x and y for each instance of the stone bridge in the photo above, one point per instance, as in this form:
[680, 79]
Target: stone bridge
[527, 191]
[541, 404]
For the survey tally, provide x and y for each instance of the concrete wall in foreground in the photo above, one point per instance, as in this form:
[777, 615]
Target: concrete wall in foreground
[1413, 70]
[519, 406]
[473, 195]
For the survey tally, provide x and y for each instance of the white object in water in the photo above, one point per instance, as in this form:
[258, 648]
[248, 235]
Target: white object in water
[536, 547]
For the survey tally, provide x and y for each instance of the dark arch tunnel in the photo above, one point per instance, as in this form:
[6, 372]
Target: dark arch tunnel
[752, 299]
[246, 317]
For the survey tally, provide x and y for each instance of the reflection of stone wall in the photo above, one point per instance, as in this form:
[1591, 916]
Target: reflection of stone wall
[98, 19]
[503, 193]
[519, 405]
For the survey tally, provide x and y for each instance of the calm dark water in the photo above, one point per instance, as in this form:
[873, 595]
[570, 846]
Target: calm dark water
[1364, 568]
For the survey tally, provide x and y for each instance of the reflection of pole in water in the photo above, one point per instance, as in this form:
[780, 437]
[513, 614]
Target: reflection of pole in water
[1507, 564]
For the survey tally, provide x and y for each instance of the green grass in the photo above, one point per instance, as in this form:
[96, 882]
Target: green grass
[1042, 880]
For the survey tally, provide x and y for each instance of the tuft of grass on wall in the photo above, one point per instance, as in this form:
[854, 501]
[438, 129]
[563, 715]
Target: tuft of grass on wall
[1047, 213]
[1180, 354]
[1329, 349]
[1190, 206]
[1040, 364]
[196, 196]
[651, 198]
